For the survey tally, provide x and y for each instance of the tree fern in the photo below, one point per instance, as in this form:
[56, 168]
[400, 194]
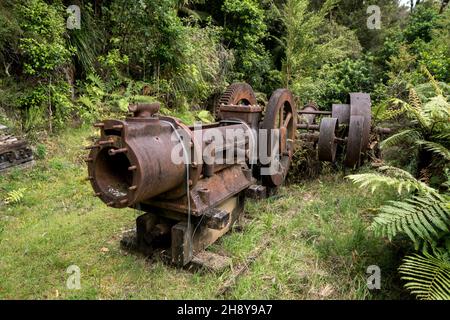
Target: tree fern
[435, 147]
[396, 178]
[401, 137]
[427, 275]
[421, 218]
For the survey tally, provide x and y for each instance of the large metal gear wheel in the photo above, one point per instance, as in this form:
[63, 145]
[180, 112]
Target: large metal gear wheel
[280, 114]
[237, 94]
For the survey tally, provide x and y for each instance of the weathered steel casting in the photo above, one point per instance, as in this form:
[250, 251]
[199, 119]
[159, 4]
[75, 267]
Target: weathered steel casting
[13, 151]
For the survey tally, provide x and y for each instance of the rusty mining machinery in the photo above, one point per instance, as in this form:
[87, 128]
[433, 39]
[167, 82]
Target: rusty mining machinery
[13, 151]
[188, 205]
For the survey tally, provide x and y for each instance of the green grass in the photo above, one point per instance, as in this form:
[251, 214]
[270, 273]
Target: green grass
[319, 248]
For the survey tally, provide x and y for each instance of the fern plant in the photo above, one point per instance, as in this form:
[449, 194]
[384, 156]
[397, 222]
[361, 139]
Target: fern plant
[421, 213]
[426, 139]
[427, 275]
[424, 216]
[14, 196]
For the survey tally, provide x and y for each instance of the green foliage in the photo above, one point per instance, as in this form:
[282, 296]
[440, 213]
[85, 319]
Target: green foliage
[41, 151]
[313, 44]
[87, 42]
[423, 218]
[244, 31]
[42, 43]
[428, 275]
[46, 106]
[14, 196]
[349, 75]
[424, 214]
[425, 133]
[396, 178]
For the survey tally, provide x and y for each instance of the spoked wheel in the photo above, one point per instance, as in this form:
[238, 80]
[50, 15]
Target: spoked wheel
[237, 94]
[280, 121]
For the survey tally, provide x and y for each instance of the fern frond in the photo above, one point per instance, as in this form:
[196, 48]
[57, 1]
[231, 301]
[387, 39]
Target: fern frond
[413, 109]
[432, 80]
[414, 100]
[15, 196]
[401, 137]
[392, 177]
[443, 136]
[437, 109]
[436, 148]
[427, 275]
[390, 114]
[421, 218]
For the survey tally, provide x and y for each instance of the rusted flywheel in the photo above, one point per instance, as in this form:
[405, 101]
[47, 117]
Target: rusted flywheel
[280, 114]
[359, 128]
[237, 94]
[341, 112]
[327, 144]
[360, 105]
[354, 141]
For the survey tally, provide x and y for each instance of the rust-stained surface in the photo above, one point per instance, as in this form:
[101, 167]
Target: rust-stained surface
[281, 114]
[327, 139]
[360, 105]
[189, 204]
[13, 151]
[197, 198]
[342, 126]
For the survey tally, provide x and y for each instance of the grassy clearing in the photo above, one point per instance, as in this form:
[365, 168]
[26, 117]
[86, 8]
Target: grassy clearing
[319, 248]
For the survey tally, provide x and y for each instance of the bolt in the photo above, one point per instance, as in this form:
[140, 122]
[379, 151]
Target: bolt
[105, 142]
[115, 151]
[95, 146]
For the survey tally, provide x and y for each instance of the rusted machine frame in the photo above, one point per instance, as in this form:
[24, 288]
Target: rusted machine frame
[348, 125]
[190, 205]
[187, 206]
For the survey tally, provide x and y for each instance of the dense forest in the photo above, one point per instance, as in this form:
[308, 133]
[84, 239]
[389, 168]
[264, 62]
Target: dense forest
[62, 68]
[184, 53]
